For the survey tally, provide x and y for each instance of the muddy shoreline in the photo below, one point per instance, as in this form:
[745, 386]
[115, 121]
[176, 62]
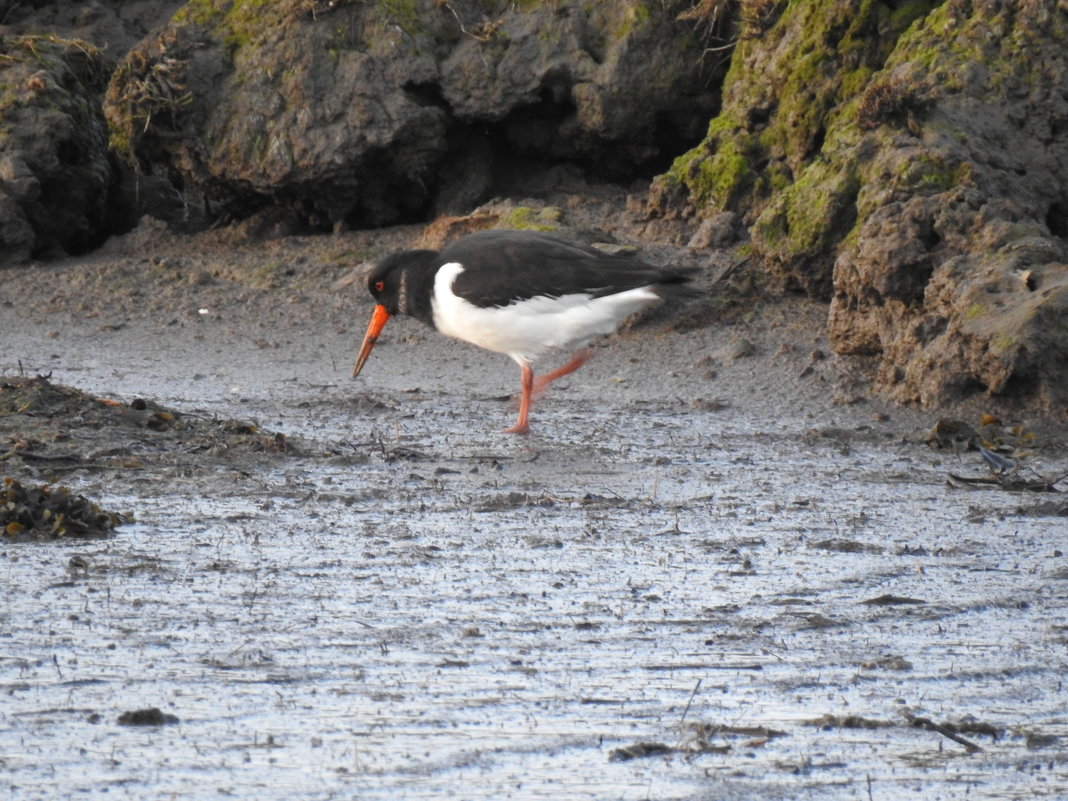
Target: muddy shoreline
[712, 570]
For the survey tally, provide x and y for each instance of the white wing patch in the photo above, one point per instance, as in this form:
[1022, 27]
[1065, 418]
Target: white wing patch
[528, 329]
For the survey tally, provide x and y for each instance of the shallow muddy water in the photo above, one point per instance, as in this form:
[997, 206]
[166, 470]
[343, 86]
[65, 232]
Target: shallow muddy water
[653, 596]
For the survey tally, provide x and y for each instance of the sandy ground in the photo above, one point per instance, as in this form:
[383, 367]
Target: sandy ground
[715, 569]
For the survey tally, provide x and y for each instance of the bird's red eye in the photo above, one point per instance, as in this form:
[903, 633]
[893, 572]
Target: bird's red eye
[379, 286]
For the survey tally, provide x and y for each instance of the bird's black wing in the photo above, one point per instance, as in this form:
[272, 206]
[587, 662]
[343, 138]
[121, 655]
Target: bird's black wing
[502, 267]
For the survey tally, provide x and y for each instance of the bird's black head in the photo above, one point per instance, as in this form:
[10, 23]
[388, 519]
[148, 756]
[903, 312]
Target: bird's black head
[402, 282]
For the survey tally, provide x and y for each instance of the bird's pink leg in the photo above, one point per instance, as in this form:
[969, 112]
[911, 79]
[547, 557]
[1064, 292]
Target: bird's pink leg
[526, 384]
[532, 388]
[579, 358]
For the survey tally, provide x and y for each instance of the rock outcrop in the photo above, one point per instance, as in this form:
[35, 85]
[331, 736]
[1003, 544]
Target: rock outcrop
[55, 171]
[61, 189]
[908, 162]
[367, 113]
[957, 271]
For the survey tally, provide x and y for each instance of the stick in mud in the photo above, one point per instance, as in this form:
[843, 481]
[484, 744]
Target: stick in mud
[930, 725]
[686, 711]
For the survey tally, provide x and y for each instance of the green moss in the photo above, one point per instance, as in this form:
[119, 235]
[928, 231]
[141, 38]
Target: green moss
[119, 142]
[729, 173]
[200, 12]
[239, 24]
[929, 173]
[406, 14]
[973, 311]
[1001, 40]
[808, 218]
[527, 219]
[636, 16]
[852, 83]
[825, 53]
[1002, 343]
[907, 13]
[778, 176]
[244, 23]
[832, 63]
[720, 171]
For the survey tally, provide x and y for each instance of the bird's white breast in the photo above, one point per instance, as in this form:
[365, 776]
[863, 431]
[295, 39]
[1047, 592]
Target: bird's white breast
[527, 329]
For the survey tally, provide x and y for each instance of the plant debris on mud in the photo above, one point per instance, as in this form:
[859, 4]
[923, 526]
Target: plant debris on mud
[45, 513]
[48, 429]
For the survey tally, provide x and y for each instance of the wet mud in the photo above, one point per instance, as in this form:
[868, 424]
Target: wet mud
[695, 579]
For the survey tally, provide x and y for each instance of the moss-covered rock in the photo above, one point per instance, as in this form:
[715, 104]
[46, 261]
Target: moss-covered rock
[795, 75]
[956, 273]
[892, 157]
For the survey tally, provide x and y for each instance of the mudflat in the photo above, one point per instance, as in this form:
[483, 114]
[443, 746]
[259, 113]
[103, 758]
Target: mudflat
[717, 567]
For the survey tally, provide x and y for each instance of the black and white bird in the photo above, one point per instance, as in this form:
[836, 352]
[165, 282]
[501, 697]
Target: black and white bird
[521, 293]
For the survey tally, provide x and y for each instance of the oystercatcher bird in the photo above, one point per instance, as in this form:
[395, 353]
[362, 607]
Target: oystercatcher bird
[522, 293]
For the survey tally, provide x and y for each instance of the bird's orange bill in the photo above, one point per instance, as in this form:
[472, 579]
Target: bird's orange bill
[378, 322]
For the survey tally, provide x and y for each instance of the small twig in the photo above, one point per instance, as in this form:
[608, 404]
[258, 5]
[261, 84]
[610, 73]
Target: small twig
[930, 725]
[490, 28]
[730, 270]
[10, 10]
[686, 711]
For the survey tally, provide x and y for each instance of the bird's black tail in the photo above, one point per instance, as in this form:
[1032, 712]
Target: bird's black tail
[677, 282]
